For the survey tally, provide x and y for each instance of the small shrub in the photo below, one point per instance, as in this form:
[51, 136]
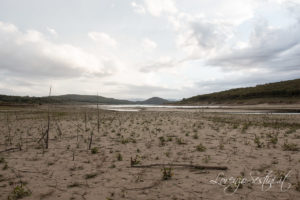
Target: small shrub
[19, 192]
[200, 147]
[119, 157]
[237, 184]
[125, 140]
[274, 139]
[289, 147]
[180, 141]
[162, 141]
[207, 158]
[166, 173]
[94, 150]
[235, 126]
[134, 161]
[280, 174]
[258, 143]
[245, 127]
[195, 136]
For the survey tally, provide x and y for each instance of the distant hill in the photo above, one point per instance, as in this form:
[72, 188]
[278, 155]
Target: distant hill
[154, 101]
[7, 99]
[279, 92]
[74, 99]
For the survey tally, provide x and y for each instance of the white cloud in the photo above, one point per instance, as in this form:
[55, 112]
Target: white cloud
[138, 8]
[103, 38]
[158, 7]
[9, 28]
[161, 63]
[193, 40]
[52, 31]
[148, 44]
[30, 54]
[232, 11]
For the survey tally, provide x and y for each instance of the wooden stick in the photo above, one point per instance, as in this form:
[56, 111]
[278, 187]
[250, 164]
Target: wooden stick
[42, 137]
[10, 149]
[182, 165]
[98, 119]
[48, 124]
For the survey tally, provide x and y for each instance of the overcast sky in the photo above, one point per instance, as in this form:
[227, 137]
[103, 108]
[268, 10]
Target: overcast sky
[143, 48]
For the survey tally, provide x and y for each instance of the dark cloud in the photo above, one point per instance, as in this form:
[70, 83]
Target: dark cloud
[274, 49]
[206, 34]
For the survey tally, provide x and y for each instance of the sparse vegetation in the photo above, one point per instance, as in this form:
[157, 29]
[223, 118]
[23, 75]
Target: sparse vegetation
[94, 150]
[152, 140]
[19, 192]
[119, 157]
[290, 146]
[258, 143]
[166, 173]
[273, 138]
[200, 147]
[135, 161]
[162, 141]
[180, 141]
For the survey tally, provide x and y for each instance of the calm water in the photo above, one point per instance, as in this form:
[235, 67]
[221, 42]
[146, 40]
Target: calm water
[219, 109]
[138, 107]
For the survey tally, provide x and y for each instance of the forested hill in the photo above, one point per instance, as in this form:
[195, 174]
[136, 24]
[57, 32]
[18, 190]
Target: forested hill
[74, 99]
[69, 99]
[154, 101]
[279, 92]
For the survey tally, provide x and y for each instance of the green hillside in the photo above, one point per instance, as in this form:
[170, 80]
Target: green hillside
[279, 92]
[74, 99]
[63, 99]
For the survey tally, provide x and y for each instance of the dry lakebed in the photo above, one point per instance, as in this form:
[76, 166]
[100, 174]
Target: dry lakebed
[150, 154]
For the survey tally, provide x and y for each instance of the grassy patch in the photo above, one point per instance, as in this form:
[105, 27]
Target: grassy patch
[166, 173]
[200, 147]
[289, 147]
[19, 192]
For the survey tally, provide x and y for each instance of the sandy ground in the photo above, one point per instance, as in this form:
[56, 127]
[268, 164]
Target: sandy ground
[261, 153]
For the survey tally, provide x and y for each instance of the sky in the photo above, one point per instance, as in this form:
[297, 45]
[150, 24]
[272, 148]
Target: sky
[137, 49]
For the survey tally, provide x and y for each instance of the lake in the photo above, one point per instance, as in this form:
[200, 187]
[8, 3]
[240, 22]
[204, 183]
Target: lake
[278, 110]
